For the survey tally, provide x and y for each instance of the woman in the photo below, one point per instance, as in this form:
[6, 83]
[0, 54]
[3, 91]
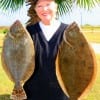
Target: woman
[47, 36]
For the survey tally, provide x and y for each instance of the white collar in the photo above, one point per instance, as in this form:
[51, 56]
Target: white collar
[49, 30]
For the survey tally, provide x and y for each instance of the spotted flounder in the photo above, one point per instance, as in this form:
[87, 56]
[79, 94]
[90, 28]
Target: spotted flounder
[76, 63]
[18, 58]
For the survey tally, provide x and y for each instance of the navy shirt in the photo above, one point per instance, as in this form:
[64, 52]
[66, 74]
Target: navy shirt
[43, 84]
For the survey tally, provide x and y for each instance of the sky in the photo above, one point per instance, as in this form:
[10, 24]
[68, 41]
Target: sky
[81, 16]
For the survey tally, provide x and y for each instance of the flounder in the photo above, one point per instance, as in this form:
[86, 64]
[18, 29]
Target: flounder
[18, 58]
[75, 63]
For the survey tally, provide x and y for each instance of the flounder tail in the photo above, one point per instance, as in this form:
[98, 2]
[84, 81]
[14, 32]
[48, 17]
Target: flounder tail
[18, 94]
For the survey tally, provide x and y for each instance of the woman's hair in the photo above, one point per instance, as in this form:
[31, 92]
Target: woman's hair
[35, 2]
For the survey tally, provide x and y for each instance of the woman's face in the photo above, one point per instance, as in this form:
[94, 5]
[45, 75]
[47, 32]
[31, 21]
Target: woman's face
[46, 10]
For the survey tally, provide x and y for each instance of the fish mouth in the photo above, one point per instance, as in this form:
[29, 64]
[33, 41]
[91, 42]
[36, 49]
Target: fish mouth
[16, 24]
[16, 29]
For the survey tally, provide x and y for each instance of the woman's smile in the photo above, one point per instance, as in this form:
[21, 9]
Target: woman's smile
[46, 10]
